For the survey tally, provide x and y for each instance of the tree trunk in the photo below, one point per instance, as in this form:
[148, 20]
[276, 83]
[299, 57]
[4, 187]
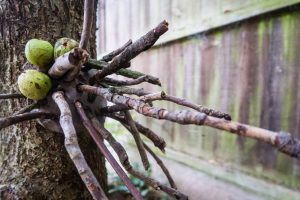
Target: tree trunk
[33, 162]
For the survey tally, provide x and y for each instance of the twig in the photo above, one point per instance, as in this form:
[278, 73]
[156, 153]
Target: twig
[129, 90]
[149, 97]
[123, 157]
[11, 96]
[137, 139]
[28, 108]
[69, 62]
[114, 108]
[7, 121]
[87, 23]
[162, 166]
[93, 133]
[116, 52]
[159, 142]
[115, 82]
[142, 44]
[94, 64]
[282, 141]
[73, 149]
[181, 101]
[136, 74]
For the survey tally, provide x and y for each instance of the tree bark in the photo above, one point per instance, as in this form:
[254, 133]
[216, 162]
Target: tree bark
[33, 162]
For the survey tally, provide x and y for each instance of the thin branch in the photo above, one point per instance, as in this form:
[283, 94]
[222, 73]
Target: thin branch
[282, 141]
[159, 142]
[149, 97]
[96, 137]
[11, 96]
[115, 82]
[116, 52]
[72, 146]
[69, 62]
[100, 65]
[28, 108]
[136, 74]
[139, 143]
[129, 90]
[181, 101]
[7, 121]
[123, 157]
[162, 166]
[114, 108]
[87, 23]
[142, 44]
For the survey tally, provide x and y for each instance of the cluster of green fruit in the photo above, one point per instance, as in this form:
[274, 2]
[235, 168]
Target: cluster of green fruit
[32, 83]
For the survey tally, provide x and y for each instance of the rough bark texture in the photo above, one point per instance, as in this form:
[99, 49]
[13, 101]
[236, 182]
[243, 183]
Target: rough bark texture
[34, 163]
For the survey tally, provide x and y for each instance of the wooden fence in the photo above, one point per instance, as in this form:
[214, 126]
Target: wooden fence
[237, 56]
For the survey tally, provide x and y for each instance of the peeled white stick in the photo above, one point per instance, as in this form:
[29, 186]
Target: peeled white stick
[69, 62]
[73, 149]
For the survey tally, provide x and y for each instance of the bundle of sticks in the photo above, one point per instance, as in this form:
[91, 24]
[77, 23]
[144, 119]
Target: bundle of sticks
[73, 80]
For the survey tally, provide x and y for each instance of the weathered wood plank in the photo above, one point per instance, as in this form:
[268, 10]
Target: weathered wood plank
[134, 17]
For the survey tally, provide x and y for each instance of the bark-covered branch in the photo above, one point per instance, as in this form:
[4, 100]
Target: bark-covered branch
[87, 23]
[116, 52]
[11, 96]
[282, 141]
[184, 102]
[162, 166]
[142, 44]
[70, 63]
[7, 121]
[158, 141]
[100, 65]
[116, 82]
[114, 108]
[98, 140]
[129, 90]
[123, 157]
[149, 97]
[27, 108]
[73, 149]
[139, 143]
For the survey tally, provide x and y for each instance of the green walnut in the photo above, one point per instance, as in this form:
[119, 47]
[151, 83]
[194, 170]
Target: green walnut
[34, 84]
[64, 45]
[39, 52]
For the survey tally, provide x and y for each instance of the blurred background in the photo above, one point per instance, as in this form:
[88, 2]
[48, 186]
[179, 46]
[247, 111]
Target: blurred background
[237, 56]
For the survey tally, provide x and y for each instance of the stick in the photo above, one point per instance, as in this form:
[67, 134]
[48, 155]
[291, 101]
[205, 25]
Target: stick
[68, 62]
[123, 157]
[181, 101]
[73, 149]
[116, 52]
[129, 90]
[114, 108]
[142, 44]
[162, 166]
[139, 143]
[7, 121]
[87, 23]
[115, 82]
[94, 64]
[282, 141]
[11, 96]
[93, 133]
[159, 142]
[28, 108]
[149, 97]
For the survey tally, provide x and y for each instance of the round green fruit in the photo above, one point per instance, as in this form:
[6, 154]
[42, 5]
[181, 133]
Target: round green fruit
[64, 45]
[39, 52]
[34, 84]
